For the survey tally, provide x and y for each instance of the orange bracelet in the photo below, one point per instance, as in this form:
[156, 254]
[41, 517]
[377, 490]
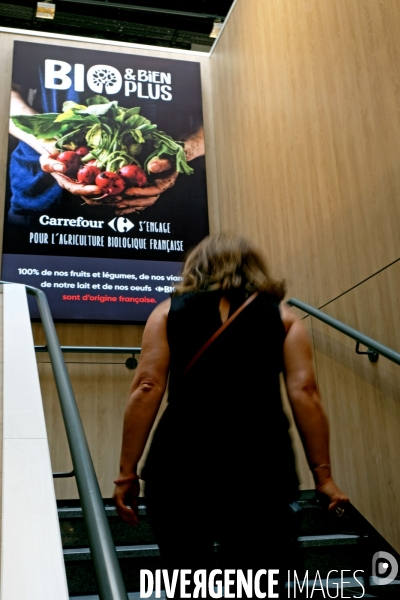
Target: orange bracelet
[125, 480]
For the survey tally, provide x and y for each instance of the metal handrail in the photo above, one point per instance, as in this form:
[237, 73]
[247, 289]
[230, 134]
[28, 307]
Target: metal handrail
[164, 11]
[108, 573]
[349, 331]
[92, 349]
[130, 363]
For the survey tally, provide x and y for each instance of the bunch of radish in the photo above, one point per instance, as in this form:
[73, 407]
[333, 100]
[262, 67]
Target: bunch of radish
[110, 183]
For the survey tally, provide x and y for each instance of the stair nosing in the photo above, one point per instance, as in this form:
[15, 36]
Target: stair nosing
[71, 554]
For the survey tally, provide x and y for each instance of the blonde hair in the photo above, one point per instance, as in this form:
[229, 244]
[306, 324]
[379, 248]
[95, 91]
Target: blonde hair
[225, 261]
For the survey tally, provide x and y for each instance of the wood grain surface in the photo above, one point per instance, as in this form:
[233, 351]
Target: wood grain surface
[363, 400]
[307, 126]
[1, 412]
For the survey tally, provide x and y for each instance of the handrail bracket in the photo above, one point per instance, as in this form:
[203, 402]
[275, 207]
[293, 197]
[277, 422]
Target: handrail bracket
[63, 474]
[131, 362]
[372, 355]
[375, 349]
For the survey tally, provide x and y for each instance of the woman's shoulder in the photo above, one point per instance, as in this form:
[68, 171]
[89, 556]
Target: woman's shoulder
[155, 330]
[287, 315]
[161, 311]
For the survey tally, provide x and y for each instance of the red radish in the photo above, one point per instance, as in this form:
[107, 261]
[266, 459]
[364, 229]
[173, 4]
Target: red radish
[133, 175]
[82, 151]
[71, 160]
[87, 174]
[110, 183]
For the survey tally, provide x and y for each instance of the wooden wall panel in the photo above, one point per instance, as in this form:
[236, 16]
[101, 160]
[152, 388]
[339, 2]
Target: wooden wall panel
[1, 414]
[374, 307]
[363, 400]
[101, 392]
[254, 139]
[100, 384]
[307, 122]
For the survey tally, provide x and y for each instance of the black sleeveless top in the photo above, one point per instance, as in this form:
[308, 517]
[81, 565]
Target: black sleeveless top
[225, 415]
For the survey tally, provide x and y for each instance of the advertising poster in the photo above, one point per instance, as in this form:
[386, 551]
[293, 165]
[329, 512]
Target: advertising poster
[106, 187]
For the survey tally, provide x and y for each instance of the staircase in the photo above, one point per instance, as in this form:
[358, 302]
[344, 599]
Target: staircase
[136, 548]
[326, 542]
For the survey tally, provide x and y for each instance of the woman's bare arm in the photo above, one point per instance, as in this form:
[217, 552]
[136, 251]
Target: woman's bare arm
[18, 106]
[145, 395]
[307, 408]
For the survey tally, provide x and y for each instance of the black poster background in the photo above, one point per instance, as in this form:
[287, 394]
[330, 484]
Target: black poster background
[182, 209]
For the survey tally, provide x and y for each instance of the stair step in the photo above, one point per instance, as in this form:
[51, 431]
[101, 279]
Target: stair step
[74, 512]
[74, 534]
[131, 596]
[144, 550]
[350, 585]
[80, 571]
[141, 551]
[317, 552]
[325, 542]
[313, 521]
[334, 539]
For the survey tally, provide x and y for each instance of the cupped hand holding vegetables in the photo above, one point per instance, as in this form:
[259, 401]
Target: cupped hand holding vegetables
[96, 150]
[137, 199]
[51, 163]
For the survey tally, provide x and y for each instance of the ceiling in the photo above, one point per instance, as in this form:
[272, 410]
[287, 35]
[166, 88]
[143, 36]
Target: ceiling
[168, 23]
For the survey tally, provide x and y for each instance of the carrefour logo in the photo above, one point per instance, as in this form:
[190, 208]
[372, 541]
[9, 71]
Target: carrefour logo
[105, 79]
[121, 224]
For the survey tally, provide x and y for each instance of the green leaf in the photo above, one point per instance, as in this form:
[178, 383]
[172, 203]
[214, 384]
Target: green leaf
[135, 134]
[119, 159]
[132, 143]
[41, 126]
[131, 112]
[134, 149]
[181, 163]
[69, 104]
[135, 120]
[97, 100]
[73, 136]
[97, 109]
[79, 120]
[164, 146]
[146, 129]
[68, 114]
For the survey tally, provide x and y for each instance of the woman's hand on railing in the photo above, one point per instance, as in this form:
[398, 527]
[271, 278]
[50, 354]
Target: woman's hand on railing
[126, 501]
[337, 499]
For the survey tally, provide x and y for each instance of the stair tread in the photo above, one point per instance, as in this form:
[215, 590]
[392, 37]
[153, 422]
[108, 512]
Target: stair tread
[333, 582]
[331, 539]
[325, 542]
[142, 550]
[76, 512]
[152, 549]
